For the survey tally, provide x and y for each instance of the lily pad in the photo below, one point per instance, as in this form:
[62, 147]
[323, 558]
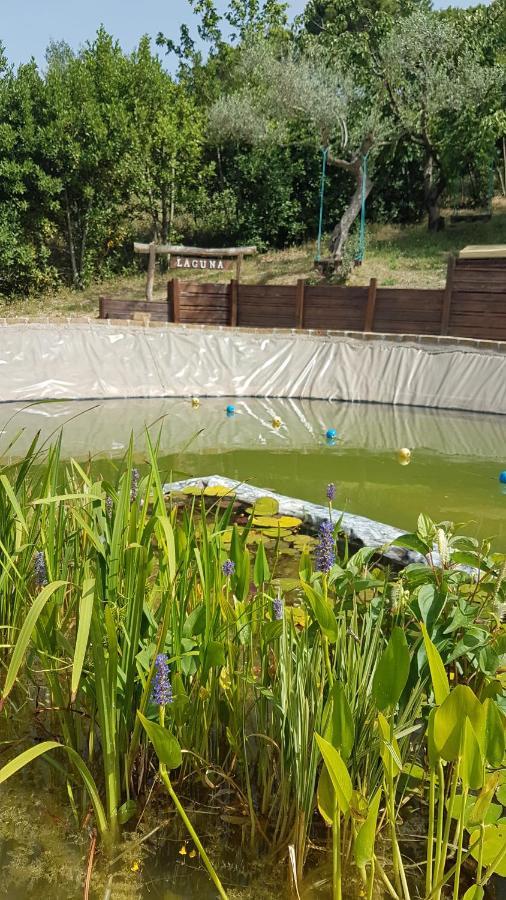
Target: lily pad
[218, 490]
[277, 522]
[264, 506]
[276, 532]
[193, 489]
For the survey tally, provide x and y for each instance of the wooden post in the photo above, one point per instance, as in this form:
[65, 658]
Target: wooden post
[371, 305]
[447, 296]
[299, 303]
[234, 299]
[176, 294]
[151, 271]
[238, 267]
[101, 308]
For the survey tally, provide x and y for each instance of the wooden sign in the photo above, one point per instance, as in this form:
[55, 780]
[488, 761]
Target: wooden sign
[196, 258]
[195, 262]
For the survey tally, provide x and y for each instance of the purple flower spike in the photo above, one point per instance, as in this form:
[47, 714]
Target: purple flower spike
[325, 551]
[161, 688]
[277, 609]
[39, 569]
[228, 568]
[331, 492]
[135, 485]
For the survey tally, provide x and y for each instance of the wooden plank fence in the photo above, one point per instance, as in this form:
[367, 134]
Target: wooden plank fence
[472, 304]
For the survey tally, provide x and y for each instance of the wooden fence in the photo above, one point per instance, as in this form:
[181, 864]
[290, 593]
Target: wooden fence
[472, 304]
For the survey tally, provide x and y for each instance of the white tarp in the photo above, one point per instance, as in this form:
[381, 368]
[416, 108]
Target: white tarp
[100, 360]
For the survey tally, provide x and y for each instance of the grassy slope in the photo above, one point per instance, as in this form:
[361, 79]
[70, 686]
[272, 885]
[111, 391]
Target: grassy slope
[397, 257]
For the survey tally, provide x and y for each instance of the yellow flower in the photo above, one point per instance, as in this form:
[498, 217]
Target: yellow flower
[135, 866]
[192, 854]
[182, 851]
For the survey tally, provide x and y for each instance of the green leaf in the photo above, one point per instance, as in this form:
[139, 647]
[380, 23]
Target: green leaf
[83, 633]
[438, 675]
[165, 534]
[261, 572]
[14, 502]
[213, 655]
[127, 811]
[366, 837]
[325, 796]
[389, 748]
[322, 612]
[34, 752]
[166, 747]
[494, 841]
[431, 747]
[392, 671]
[338, 772]
[471, 771]
[412, 542]
[475, 892]
[340, 730]
[492, 742]
[425, 597]
[450, 718]
[26, 632]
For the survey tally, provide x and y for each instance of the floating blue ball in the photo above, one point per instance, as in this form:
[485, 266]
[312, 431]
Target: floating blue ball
[230, 410]
[502, 477]
[331, 434]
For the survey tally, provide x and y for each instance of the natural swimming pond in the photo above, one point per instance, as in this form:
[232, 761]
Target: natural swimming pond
[453, 474]
[257, 665]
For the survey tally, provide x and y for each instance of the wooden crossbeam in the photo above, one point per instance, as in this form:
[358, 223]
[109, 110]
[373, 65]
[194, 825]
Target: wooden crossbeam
[221, 255]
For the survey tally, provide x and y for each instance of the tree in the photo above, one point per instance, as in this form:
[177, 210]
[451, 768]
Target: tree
[167, 137]
[286, 94]
[440, 91]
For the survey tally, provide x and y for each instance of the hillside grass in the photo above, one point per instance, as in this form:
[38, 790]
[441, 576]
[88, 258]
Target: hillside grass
[398, 256]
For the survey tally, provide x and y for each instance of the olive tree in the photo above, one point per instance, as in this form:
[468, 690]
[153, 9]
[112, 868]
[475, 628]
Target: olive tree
[440, 91]
[285, 97]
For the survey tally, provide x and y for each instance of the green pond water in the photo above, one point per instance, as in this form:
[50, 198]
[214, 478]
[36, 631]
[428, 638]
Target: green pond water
[453, 474]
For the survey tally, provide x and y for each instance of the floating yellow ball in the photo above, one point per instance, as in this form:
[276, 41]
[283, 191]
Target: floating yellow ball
[195, 402]
[404, 456]
[276, 422]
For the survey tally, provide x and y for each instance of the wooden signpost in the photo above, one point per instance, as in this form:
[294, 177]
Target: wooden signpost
[193, 259]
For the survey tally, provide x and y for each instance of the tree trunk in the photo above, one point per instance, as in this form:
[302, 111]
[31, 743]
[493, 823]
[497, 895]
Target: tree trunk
[70, 241]
[433, 188]
[341, 232]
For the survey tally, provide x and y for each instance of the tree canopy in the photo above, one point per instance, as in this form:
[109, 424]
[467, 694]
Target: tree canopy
[100, 146]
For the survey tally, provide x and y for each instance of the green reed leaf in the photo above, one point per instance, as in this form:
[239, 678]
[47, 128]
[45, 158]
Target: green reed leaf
[34, 752]
[26, 633]
[83, 633]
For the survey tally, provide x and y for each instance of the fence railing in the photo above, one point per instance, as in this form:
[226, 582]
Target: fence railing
[472, 304]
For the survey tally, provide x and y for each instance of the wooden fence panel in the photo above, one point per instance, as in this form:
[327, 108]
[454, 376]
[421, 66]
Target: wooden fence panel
[204, 304]
[400, 311]
[118, 308]
[335, 307]
[267, 306]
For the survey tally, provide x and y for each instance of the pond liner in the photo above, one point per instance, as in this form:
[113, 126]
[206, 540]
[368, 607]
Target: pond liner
[361, 531]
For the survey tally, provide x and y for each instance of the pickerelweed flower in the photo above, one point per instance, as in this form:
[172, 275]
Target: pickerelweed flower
[228, 568]
[161, 688]
[277, 609]
[325, 551]
[331, 492]
[39, 569]
[135, 485]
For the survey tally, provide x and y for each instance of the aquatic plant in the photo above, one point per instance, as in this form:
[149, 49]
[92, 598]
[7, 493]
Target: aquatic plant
[155, 603]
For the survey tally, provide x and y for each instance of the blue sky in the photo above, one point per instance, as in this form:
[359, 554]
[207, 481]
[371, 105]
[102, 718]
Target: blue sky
[27, 30]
